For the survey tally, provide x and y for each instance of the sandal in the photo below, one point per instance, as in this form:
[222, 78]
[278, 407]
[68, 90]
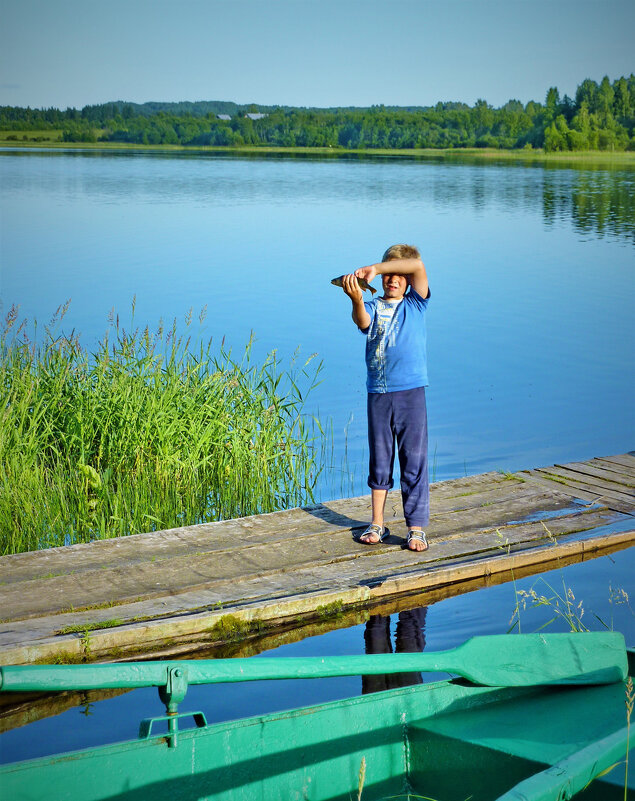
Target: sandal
[416, 534]
[375, 530]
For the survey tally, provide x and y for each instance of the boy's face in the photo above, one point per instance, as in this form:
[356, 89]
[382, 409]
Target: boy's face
[394, 286]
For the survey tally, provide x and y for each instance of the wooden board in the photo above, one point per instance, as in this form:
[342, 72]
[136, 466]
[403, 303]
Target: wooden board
[625, 459]
[607, 490]
[622, 479]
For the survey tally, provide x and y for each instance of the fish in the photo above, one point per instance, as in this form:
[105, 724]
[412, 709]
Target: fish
[363, 284]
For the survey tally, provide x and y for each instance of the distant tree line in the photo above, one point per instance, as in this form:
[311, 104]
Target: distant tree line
[601, 117]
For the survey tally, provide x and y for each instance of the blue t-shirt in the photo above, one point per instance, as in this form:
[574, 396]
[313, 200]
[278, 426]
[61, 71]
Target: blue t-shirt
[396, 343]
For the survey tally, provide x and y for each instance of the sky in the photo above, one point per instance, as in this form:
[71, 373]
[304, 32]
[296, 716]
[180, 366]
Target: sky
[71, 53]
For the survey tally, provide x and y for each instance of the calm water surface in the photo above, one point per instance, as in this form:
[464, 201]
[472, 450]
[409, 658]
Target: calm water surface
[530, 335]
[531, 328]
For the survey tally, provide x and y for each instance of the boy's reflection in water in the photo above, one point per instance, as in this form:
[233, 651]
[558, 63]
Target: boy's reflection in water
[410, 637]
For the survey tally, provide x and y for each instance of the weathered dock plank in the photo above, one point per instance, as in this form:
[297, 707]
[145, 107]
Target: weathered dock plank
[279, 554]
[625, 460]
[167, 589]
[594, 487]
[349, 514]
[586, 479]
[622, 480]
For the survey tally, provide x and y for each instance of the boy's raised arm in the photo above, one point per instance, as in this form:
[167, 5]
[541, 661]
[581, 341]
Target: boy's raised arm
[413, 269]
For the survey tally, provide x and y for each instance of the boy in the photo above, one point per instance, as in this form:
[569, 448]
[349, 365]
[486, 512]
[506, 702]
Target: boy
[396, 363]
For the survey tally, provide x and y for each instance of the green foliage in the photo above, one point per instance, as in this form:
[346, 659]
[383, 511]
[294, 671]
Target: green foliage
[334, 609]
[80, 628]
[602, 116]
[232, 629]
[148, 432]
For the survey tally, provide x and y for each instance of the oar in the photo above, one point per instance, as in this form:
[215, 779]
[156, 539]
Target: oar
[505, 660]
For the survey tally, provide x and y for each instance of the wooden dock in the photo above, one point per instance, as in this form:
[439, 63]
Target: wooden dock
[187, 589]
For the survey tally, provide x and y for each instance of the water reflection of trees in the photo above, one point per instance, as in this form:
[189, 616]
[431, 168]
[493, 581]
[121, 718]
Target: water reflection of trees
[594, 199]
[597, 202]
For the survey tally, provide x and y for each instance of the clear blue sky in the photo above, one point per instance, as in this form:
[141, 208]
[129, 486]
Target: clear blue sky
[308, 52]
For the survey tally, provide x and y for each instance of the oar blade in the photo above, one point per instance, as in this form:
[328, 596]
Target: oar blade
[517, 660]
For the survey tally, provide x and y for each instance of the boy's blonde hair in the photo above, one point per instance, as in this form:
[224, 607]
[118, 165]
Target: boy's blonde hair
[401, 252]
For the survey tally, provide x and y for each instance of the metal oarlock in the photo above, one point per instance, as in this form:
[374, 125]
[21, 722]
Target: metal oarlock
[172, 694]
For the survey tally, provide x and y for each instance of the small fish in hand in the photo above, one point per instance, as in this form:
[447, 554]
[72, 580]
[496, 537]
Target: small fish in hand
[363, 284]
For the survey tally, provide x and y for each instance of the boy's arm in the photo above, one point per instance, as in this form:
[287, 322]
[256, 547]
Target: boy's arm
[361, 317]
[413, 269]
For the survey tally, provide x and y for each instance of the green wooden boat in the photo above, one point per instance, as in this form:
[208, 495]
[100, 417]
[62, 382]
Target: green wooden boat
[531, 718]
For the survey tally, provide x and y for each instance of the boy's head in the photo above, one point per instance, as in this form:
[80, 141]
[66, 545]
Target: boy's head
[401, 252]
[395, 285]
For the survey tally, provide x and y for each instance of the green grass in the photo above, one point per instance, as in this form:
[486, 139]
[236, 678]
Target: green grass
[332, 610]
[232, 629]
[151, 431]
[478, 154]
[81, 628]
[29, 137]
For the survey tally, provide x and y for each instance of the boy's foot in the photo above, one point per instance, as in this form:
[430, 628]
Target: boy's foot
[417, 540]
[374, 534]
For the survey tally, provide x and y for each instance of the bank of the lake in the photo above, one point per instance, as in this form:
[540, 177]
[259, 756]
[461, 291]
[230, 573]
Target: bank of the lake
[53, 140]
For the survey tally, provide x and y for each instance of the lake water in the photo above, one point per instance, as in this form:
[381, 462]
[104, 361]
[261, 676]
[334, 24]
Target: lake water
[531, 330]
[530, 324]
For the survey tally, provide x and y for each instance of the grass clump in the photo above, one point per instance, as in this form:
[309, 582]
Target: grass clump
[148, 432]
[79, 628]
[232, 629]
[334, 609]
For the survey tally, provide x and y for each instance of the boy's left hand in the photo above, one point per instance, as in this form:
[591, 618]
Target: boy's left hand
[367, 273]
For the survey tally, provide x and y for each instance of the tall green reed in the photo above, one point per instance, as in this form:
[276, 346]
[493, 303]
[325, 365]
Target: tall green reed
[152, 430]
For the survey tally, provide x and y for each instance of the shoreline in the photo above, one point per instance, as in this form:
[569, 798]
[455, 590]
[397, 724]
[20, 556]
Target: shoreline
[476, 154]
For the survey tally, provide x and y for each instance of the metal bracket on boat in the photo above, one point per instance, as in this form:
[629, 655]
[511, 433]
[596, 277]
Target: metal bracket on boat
[172, 693]
[175, 688]
[145, 728]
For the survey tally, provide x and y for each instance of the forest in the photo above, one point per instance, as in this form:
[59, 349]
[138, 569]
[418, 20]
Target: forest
[600, 117]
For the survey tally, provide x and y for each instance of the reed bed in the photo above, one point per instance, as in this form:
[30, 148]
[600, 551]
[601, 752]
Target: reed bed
[148, 432]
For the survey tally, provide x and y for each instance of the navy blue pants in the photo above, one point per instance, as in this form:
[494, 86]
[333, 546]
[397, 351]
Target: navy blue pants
[401, 417]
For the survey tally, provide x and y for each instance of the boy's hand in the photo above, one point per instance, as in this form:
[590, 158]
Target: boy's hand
[368, 273]
[351, 287]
